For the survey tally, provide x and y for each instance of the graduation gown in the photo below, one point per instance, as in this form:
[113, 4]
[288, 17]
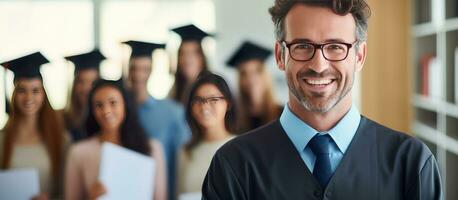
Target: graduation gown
[380, 163]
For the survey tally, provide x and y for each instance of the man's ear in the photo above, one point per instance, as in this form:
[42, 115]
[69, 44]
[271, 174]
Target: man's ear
[280, 55]
[361, 56]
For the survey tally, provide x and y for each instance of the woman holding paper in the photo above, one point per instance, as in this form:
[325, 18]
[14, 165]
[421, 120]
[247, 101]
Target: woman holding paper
[210, 112]
[33, 136]
[112, 118]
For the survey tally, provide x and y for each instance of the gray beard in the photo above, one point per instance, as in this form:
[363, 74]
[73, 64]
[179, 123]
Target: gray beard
[331, 103]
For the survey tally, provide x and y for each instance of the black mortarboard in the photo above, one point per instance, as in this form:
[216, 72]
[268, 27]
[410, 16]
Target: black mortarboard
[89, 60]
[248, 51]
[190, 33]
[140, 49]
[27, 66]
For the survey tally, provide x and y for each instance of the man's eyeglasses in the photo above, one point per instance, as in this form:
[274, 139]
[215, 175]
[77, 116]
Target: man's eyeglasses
[332, 51]
[210, 100]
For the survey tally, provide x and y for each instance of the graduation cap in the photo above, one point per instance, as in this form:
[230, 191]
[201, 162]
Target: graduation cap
[24, 67]
[248, 51]
[27, 66]
[140, 49]
[89, 60]
[190, 33]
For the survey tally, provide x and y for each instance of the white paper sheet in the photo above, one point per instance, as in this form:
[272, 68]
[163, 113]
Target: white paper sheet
[19, 184]
[190, 196]
[126, 174]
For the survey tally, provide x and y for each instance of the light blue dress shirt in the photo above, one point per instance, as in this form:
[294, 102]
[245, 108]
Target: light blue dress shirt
[301, 133]
[164, 120]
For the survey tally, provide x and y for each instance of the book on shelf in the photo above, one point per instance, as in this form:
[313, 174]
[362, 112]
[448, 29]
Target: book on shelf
[425, 60]
[436, 78]
[431, 76]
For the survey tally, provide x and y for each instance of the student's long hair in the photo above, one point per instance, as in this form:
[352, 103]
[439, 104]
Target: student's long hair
[179, 93]
[75, 112]
[272, 109]
[132, 134]
[230, 119]
[51, 132]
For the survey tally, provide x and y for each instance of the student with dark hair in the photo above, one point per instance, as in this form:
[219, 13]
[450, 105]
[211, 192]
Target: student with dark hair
[191, 61]
[112, 117]
[210, 112]
[34, 136]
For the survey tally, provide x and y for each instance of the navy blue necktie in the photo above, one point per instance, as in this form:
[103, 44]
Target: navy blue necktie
[320, 147]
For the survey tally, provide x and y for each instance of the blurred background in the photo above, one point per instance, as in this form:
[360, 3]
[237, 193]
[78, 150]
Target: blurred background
[409, 82]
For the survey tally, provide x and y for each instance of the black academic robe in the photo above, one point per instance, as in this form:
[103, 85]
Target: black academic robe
[380, 163]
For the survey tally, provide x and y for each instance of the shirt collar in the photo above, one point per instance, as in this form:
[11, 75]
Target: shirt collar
[300, 133]
[342, 133]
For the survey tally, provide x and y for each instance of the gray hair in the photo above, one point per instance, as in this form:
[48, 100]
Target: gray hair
[358, 8]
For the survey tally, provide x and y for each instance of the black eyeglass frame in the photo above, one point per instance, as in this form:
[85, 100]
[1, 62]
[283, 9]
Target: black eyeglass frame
[210, 100]
[318, 46]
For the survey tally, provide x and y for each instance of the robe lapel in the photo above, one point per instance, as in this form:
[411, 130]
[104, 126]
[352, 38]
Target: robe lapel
[357, 170]
[288, 169]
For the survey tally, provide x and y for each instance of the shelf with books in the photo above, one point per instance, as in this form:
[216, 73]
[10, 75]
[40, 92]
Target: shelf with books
[425, 56]
[435, 83]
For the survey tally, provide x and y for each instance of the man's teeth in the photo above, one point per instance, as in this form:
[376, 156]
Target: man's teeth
[318, 82]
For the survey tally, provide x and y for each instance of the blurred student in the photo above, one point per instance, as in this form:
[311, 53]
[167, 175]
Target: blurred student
[210, 112]
[33, 136]
[256, 95]
[162, 119]
[87, 70]
[112, 118]
[191, 61]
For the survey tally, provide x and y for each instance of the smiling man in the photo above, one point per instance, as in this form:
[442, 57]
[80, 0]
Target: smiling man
[321, 147]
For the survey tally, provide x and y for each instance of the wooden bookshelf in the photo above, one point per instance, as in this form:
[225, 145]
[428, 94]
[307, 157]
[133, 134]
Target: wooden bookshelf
[435, 118]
